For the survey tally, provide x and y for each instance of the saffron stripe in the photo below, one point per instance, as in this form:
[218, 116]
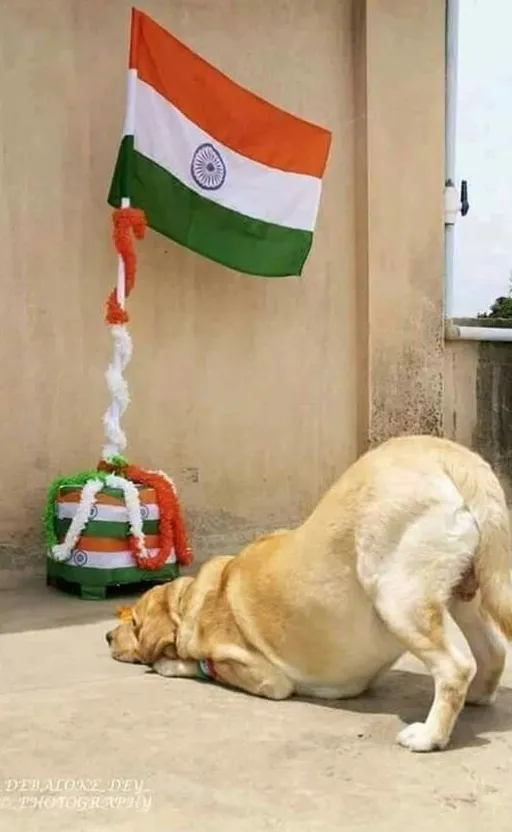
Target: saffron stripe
[226, 111]
[237, 241]
[108, 544]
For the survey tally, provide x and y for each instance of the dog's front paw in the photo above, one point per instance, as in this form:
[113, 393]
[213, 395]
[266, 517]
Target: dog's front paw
[175, 668]
[167, 667]
[417, 737]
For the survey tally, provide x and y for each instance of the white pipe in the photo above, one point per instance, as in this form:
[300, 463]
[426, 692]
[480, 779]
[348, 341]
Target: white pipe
[451, 61]
[452, 57]
[449, 257]
[477, 333]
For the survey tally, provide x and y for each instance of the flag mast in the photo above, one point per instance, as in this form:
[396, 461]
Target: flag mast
[115, 436]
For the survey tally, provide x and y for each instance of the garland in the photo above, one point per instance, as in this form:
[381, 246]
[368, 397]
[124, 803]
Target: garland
[113, 470]
[120, 475]
[77, 481]
[172, 525]
[125, 220]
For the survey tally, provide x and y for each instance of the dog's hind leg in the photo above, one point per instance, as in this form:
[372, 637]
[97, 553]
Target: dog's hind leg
[410, 570]
[420, 626]
[487, 646]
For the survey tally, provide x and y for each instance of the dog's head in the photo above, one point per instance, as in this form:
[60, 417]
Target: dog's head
[148, 630]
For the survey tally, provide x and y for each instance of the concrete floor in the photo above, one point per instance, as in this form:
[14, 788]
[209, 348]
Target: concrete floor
[90, 744]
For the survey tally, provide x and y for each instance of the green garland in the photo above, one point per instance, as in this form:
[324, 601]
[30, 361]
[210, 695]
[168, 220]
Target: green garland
[78, 480]
[53, 491]
[118, 462]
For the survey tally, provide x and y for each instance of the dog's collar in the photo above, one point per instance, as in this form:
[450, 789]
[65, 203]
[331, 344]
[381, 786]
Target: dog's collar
[206, 669]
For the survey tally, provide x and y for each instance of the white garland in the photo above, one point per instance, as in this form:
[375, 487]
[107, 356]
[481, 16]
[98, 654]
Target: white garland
[118, 387]
[132, 501]
[63, 551]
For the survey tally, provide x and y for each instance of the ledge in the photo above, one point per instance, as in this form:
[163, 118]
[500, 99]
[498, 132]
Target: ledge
[478, 329]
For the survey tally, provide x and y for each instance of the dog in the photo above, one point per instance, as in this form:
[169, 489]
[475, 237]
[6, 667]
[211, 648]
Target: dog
[416, 531]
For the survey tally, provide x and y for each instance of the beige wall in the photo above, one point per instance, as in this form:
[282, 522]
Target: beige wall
[253, 394]
[405, 175]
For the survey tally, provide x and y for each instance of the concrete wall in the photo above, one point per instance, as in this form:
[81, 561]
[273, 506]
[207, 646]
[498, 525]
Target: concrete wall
[478, 401]
[254, 394]
[405, 146]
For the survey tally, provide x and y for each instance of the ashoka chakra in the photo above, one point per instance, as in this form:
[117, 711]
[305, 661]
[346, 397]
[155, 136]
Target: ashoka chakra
[207, 168]
[79, 558]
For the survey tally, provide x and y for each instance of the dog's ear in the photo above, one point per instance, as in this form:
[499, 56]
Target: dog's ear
[176, 592]
[155, 643]
[156, 630]
[160, 621]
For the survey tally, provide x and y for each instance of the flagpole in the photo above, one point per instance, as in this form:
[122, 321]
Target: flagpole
[122, 343]
[121, 277]
[115, 407]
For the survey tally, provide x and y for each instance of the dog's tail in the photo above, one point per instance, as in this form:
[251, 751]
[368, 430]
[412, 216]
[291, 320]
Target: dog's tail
[484, 496]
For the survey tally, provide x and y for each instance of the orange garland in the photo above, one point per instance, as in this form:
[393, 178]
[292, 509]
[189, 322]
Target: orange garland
[125, 221]
[172, 525]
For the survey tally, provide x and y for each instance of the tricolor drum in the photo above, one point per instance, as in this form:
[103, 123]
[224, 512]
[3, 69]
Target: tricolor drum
[102, 555]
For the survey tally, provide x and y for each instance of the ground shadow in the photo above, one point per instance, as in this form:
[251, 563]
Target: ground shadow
[405, 694]
[35, 606]
[408, 695]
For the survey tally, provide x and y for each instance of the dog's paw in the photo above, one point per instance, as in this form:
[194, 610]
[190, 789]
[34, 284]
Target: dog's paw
[166, 667]
[417, 737]
[175, 668]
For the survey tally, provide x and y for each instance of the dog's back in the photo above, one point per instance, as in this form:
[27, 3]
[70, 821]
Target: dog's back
[396, 490]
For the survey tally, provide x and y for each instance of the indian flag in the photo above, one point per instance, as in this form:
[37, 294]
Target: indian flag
[214, 167]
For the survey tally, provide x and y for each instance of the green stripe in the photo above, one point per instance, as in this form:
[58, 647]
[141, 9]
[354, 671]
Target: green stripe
[106, 528]
[242, 243]
[88, 576]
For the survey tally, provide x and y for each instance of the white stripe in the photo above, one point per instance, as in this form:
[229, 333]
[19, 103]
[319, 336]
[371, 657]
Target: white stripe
[110, 560]
[107, 513]
[167, 137]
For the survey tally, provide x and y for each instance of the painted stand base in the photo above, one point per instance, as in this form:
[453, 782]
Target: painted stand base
[94, 584]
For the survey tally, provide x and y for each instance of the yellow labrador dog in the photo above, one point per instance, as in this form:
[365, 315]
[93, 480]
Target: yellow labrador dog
[415, 531]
